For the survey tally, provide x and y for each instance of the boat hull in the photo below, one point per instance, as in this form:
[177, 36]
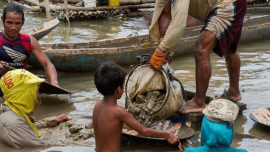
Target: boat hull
[88, 56]
[43, 30]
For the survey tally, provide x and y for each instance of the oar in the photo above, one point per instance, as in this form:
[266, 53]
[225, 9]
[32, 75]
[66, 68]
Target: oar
[44, 86]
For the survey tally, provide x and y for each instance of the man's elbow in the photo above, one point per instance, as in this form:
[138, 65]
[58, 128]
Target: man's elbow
[48, 65]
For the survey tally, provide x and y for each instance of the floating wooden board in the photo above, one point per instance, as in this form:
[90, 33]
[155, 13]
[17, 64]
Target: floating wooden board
[180, 130]
[261, 116]
[51, 89]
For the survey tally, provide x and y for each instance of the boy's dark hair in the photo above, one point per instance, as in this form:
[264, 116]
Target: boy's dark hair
[13, 8]
[108, 77]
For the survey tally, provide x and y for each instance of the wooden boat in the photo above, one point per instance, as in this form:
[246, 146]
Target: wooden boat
[258, 9]
[89, 55]
[184, 133]
[261, 116]
[251, 10]
[42, 30]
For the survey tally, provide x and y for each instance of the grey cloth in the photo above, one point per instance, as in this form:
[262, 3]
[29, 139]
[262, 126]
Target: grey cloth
[2, 100]
[5, 108]
[15, 131]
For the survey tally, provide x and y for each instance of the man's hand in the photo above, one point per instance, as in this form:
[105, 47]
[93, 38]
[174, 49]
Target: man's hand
[170, 58]
[55, 83]
[159, 58]
[172, 139]
[2, 69]
[61, 118]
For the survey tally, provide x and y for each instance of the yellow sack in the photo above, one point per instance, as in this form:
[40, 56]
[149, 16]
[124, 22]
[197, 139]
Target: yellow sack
[20, 89]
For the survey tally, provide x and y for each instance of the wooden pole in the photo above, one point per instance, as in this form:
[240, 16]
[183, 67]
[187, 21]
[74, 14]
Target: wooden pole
[139, 14]
[110, 8]
[69, 1]
[66, 11]
[47, 8]
[72, 8]
[42, 4]
[22, 5]
[135, 2]
[66, 6]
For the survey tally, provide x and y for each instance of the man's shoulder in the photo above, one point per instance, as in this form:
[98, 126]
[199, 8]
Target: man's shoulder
[24, 37]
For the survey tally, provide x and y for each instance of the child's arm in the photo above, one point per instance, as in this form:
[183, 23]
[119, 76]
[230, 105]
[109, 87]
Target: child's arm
[126, 118]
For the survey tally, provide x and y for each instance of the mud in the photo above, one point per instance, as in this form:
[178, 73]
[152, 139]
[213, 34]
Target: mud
[146, 105]
[72, 132]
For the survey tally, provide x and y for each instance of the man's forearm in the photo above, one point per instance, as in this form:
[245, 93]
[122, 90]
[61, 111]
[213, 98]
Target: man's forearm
[51, 74]
[45, 123]
[175, 31]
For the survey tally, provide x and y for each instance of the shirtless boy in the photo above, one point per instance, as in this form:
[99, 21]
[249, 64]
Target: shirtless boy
[108, 117]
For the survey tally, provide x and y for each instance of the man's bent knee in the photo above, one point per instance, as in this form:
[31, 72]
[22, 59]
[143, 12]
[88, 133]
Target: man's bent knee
[205, 44]
[200, 53]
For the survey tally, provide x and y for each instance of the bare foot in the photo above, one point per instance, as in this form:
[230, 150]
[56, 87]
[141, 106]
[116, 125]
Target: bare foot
[234, 97]
[192, 106]
[62, 118]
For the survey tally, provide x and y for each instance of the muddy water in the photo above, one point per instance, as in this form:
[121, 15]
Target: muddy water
[254, 81]
[87, 30]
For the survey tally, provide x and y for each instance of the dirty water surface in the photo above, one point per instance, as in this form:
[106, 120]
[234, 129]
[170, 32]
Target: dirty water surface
[254, 85]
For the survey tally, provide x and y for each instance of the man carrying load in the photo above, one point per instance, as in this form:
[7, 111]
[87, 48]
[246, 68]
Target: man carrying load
[221, 33]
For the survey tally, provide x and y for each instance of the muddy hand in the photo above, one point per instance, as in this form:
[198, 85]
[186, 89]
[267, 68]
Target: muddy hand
[172, 139]
[61, 118]
[158, 59]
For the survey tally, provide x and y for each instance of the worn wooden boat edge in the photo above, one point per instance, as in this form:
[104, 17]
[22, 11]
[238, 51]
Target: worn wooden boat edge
[42, 30]
[87, 59]
[255, 116]
[135, 40]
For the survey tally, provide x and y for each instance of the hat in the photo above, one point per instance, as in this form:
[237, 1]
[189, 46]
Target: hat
[221, 110]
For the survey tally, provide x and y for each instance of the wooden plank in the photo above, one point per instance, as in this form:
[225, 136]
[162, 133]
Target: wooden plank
[180, 130]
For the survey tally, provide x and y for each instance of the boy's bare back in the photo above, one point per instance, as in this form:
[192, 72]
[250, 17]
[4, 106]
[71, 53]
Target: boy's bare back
[108, 117]
[107, 126]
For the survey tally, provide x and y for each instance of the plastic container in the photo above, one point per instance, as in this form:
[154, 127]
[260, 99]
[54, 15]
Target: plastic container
[114, 3]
